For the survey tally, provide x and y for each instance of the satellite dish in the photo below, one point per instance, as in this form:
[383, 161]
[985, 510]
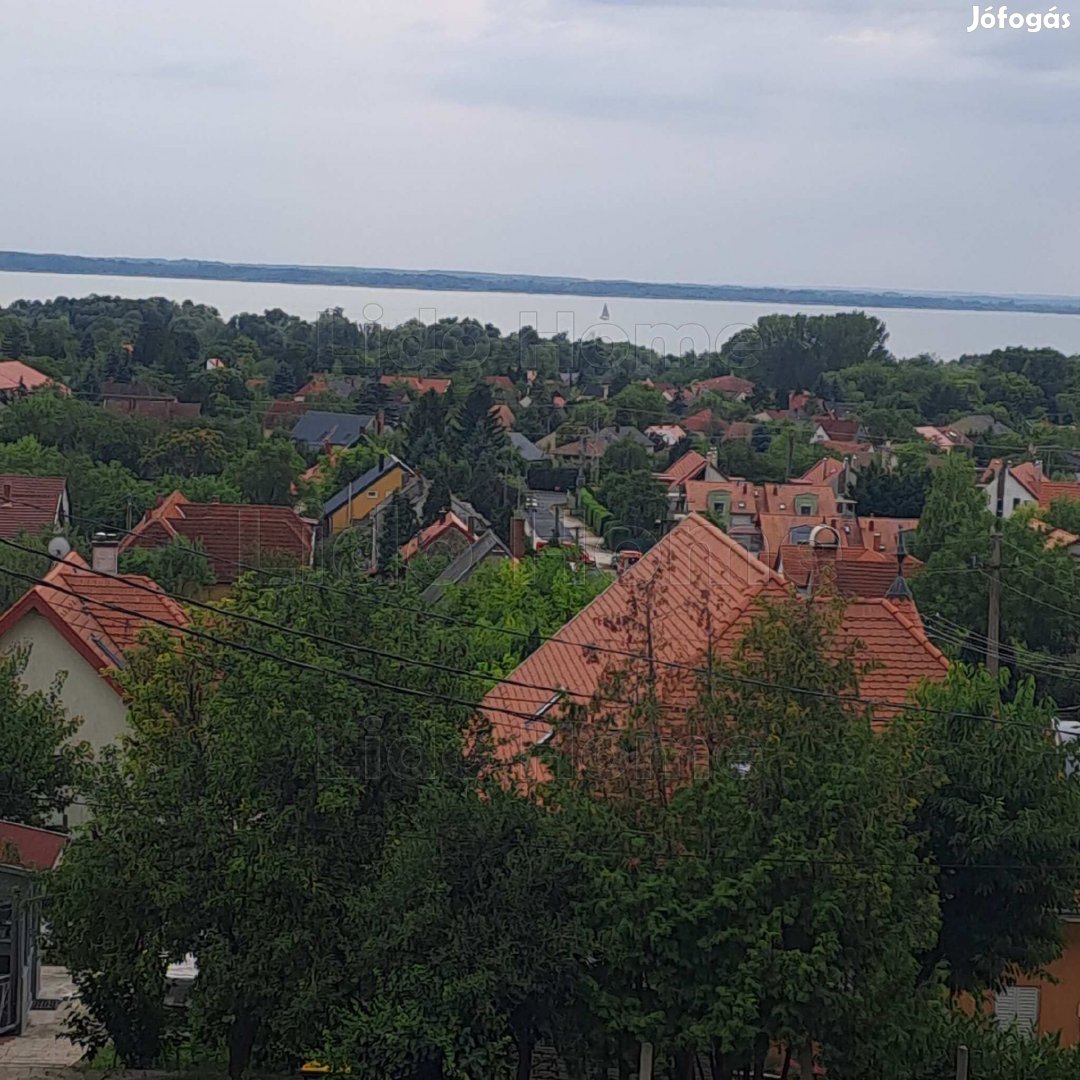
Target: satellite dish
[59, 547]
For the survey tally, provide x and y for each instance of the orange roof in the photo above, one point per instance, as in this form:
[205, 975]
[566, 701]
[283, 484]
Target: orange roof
[419, 383]
[99, 634]
[838, 446]
[504, 414]
[448, 523]
[703, 422]
[700, 586]
[821, 472]
[686, 468]
[1055, 538]
[503, 382]
[233, 536]
[723, 384]
[15, 374]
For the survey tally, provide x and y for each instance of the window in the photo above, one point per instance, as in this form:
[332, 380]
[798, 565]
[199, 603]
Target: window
[805, 505]
[1016, 503]
[799, 535]
[372, 494]
[1017, 1007]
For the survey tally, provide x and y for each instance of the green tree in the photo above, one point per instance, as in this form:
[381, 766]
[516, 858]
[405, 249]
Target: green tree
[42, 766]
[1000, 827]
[625, 455]
[636, 499]
[179, 567]
[638, 406]
[268, 473]
[397, 526]
[186, 452]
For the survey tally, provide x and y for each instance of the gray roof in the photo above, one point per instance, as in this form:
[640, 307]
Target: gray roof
[460, 569]
[613, 434]
[361, 483]
[979, 424]
[338, 429]
[525, 447]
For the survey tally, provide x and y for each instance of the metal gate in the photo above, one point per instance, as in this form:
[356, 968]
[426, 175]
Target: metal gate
[9, 997]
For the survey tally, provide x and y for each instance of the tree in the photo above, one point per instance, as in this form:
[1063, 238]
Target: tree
[955, 508]
[639, 406]
[268, 472]
[42, 766]
[636, 499]
[465, 984]
[397, 526]
[899, 492]
[186, 452]
[625, 455]
[1000, 827]
[179, 567]
[437, 500]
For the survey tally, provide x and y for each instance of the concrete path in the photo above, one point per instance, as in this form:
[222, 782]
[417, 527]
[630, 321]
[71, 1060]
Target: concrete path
[43, 1043]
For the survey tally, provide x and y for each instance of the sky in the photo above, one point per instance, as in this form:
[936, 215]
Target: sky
[824, 142]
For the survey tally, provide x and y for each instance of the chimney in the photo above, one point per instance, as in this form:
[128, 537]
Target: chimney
[517, 537]
[104, 553]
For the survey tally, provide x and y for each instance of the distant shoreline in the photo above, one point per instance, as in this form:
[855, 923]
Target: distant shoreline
[469, 281]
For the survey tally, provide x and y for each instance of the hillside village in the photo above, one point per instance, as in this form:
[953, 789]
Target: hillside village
[436, 702]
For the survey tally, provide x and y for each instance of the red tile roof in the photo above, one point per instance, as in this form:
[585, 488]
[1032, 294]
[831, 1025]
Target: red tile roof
[504, 414]
[704, 423]
[15, 374]
[234, 536]
[732, 385]
[690, 466]
[29, 847]
[30, 504]
[448, 523]
[503, 382]
[821, 472]
[419, 383]
[701, 586]
[98, 633]
[837, 430]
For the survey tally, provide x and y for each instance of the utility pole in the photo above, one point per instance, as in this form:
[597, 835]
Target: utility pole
[557, 538]
[961, 1063]
[993, 627]
[645, 1062]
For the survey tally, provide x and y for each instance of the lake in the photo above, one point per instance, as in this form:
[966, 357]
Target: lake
[670, 326]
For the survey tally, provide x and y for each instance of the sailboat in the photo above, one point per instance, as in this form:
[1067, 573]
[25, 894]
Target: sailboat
[605, 314]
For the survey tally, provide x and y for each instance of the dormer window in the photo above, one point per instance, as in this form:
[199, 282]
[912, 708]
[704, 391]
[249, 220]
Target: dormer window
[806, 505]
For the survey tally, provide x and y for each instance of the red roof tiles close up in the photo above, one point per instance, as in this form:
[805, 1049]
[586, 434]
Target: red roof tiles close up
[701, 589]
[31, 504]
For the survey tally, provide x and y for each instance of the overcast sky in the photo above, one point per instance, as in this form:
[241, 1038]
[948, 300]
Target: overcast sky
[844, 142]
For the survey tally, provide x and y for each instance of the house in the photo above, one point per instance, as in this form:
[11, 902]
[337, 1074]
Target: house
[330, 385]
[701, 589]
[24, 851]
[733, 387]
[449, 535]
[827, 471]
[626, 431]
[980, 424]
[945, 439]
[84, 624]
[317, 430]
[236, 537]
[418, 384]
[833, 429]
[691, 466]
[504, 415]
[32, 505]
[665, 434]
[1025, 483]
[359, 498]
[127, 398]
[527, 449]
[18, 379]
[214, 363]
[705, 422]
[487, 548]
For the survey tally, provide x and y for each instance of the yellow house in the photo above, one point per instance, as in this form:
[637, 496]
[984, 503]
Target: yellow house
[354, 502]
